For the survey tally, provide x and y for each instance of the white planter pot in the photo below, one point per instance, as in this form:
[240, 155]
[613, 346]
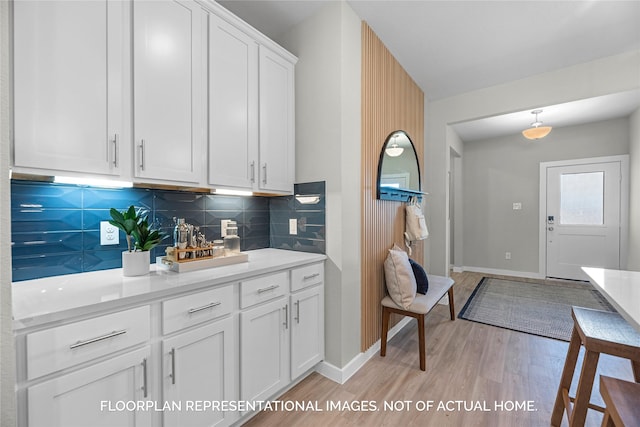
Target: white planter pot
[135, 263]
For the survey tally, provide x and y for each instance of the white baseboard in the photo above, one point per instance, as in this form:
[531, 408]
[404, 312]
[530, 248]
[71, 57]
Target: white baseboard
[524, 274]
[342, 375]
[456, 269]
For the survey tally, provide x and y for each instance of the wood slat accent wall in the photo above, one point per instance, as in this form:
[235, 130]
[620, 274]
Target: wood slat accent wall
[391, 101]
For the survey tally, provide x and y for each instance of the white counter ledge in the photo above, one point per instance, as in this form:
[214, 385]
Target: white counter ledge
[40, 301]
[621, 288]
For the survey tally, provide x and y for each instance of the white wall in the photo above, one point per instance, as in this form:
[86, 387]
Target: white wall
[608, 75]
[328, 46]
[501, 171]
[7, 363]
[633, 262]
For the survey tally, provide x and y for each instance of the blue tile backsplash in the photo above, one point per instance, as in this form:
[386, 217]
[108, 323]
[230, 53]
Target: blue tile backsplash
[55, 228]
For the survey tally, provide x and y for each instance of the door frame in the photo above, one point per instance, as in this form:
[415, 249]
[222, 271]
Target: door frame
[624, 205]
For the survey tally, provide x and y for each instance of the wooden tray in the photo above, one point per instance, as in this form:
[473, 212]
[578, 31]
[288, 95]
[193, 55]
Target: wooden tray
[180, 267]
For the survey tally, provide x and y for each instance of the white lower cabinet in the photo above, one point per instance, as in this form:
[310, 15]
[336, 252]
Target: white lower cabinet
[198, 366]
[282, 339]
[307, 330]
[264, 350]
[160, 363]
[95, 396]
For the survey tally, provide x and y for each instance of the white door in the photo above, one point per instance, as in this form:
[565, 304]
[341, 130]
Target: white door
[96, 396]
[198, 366]
[583, 218]
[277, 150]
[307, 330]
[264, 350]
[233, 106]
[68, 61]
[167, 89]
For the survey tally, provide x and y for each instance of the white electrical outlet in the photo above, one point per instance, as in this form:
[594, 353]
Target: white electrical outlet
[293, 226]
[517, 206]
[507, 255]
[109, 235]
[223, 227]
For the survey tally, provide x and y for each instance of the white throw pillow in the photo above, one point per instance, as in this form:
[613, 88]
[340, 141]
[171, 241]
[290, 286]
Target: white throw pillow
[401, 283]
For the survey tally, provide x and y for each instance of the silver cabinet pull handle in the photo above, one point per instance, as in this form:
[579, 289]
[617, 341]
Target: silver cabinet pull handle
[268, 288]
[204, 307]
[96, 339]
[142, 154]
[253, 171]
[311, 276]
[297, 312]
[264, 174]
[286, 316]
[115, 150]
[173, 365]
[144, 376]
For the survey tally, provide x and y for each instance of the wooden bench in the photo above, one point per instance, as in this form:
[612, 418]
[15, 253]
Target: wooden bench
[439, 286]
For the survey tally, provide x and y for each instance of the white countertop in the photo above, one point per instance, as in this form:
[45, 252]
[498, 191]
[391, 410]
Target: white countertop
[40, 301]
[621, 288]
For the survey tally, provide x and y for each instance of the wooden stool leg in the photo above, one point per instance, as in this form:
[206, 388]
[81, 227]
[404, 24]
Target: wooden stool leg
[585, 385]
[635, 367]
[607, 421]
[385, 327]
[421, 342]
[452, 310]
[567, 376]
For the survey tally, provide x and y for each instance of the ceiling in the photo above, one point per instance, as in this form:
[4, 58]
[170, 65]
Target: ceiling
[452, 47]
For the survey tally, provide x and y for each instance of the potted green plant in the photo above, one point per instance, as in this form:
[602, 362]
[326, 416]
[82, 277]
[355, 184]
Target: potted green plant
[140, 240]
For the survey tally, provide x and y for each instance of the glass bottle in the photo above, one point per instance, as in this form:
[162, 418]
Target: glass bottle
[231, 240]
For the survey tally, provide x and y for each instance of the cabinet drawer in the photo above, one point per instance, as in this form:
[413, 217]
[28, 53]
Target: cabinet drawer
[64, 346]
[306, 276]
[263, 288]
[179, 313]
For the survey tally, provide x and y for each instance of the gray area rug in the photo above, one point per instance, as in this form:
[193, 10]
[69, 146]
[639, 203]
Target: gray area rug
[534, 308]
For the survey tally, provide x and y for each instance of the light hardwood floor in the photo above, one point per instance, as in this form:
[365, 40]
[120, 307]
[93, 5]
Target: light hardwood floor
[466, 361]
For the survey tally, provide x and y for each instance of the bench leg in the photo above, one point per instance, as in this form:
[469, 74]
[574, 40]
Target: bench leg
[421, 342]
[452, 310]
[385, 328]
[635, 367]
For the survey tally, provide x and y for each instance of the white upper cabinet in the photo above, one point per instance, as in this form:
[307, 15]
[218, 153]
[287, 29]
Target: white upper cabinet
[167, 55]
[277, 148]
[233, 105]
[157, 91]
[69, 61]
[251, 110]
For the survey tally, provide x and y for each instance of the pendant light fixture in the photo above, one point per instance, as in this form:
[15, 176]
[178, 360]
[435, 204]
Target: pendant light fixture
[536, 131]
[394, 150]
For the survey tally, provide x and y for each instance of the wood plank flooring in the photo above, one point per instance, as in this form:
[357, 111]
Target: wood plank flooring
[467, 362]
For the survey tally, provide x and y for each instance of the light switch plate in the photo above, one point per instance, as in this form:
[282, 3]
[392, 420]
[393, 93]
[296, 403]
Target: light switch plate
[293, 226]
[109, 235]
[517, 206]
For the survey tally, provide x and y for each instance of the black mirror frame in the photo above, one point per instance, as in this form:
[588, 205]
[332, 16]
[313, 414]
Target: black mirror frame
[398, 194]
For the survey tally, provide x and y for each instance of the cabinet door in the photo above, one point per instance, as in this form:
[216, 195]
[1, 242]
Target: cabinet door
[199, 365]
[168, 129]
[307, 330]
[277, 148]
[94, 396]
[264, 350]
[68, 70]
[233, 106]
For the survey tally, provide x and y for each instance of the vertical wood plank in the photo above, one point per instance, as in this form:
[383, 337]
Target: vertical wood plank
[391, 101]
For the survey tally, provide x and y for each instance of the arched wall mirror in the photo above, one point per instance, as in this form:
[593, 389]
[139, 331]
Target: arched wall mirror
[398, 169]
